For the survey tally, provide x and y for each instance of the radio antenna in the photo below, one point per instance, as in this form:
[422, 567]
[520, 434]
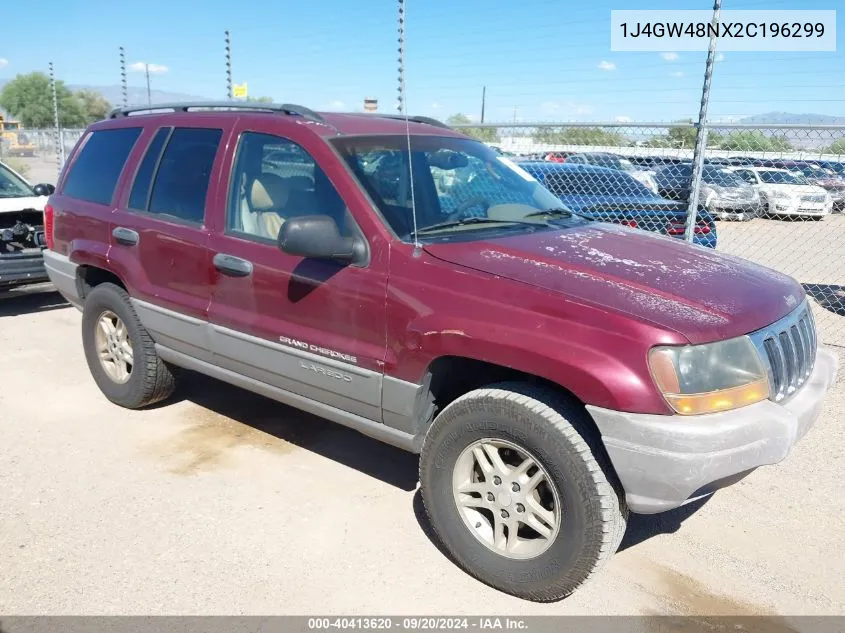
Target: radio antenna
[403, 110]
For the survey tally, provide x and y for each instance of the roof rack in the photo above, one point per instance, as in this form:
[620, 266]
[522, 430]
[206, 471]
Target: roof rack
[255, 106]
[417, 119]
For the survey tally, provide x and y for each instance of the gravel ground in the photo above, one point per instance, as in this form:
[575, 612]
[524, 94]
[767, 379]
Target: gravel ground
[221, 502]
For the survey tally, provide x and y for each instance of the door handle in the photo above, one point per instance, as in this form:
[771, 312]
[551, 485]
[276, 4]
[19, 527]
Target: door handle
[125, 236]
[232, 266]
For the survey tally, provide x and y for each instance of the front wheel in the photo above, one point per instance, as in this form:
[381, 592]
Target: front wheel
[516, 493]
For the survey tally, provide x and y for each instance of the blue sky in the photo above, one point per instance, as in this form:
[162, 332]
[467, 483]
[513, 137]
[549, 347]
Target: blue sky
[540, 59]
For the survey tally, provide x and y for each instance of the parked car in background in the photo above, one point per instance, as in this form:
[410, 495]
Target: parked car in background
[500, 151]
[722, 192]
[618, 163]
[836, 167]
[718, 161]
[556, 157]
[827, 180]
[783, 192]
[741, 160]
[21, 229]
[610, 196]
[553, 373]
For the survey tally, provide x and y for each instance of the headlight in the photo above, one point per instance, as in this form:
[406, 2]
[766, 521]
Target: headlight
[781, 194]
[696, 379]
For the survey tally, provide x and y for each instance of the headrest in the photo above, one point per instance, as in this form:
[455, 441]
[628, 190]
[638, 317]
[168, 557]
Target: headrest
[268, 192]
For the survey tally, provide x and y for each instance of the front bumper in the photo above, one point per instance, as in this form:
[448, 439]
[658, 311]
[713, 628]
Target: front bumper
[17, 269]
[664, 461]
[800, 207]
[735, 209]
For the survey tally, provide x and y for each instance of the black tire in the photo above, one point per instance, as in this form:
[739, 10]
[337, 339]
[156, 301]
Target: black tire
[150, 380]
[554, 430]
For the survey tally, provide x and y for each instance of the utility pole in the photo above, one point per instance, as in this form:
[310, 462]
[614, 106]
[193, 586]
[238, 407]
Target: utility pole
[701, 135]
[149, 94]
[229, 94]
[483, 101]
[123, 77]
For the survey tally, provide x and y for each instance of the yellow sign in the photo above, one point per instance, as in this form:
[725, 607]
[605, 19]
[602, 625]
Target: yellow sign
[239, 91]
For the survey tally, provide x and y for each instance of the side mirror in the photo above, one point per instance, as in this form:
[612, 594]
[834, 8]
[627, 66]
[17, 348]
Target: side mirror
[317, 237]
[44, 189]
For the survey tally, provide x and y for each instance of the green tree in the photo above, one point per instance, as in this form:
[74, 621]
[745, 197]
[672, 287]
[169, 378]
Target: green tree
[260, 99]
[486, 134]
[683, 137]
[96, 106]
[755, 141]
[579, 136]
[28, 98]
[837, 147]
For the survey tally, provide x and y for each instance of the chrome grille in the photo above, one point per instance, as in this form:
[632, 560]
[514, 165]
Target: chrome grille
[788, 347]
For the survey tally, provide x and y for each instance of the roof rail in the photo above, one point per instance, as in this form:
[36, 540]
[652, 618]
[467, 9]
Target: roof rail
[284, 108]
[417, 119]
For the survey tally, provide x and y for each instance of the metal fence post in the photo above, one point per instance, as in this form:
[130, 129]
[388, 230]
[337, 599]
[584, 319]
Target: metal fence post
[124, 90]
[228, 66]
[701, 126]
[401, 27]
[57, 135]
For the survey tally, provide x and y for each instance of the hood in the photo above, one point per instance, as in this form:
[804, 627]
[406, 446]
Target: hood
[703, 295]
[795, 190]
[18, 204]
[831, 183]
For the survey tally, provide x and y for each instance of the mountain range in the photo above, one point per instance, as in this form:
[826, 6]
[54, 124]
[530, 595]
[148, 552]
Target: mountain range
[138, 95]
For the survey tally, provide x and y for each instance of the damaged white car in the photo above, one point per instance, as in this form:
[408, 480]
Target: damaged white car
[21, 229]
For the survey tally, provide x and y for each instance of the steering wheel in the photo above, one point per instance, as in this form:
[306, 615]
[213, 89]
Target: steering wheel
[468, 204]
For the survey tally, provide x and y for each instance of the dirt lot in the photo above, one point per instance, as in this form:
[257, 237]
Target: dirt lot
[223, 502]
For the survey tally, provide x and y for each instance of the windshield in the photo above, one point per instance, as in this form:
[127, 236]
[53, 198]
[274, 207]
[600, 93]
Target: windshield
[782, 178]
[11, 186]
[563, 182]
[720, 176]
[454, 179]
[609, 161]
[810, 172]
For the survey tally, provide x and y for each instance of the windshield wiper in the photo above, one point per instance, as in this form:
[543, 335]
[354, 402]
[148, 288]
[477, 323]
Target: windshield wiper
[467, 221]
[560, 212]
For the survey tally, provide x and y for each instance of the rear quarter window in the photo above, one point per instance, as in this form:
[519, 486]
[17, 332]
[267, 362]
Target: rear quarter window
[95, 171]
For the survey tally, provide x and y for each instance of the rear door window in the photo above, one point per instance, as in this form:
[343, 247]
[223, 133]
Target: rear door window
[180, 184]
[140, 196]
[95, 171]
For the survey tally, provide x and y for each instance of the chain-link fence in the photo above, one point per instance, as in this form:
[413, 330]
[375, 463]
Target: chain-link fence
[774, 195]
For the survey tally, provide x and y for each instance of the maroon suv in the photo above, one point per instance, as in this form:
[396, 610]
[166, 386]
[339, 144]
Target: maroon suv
[406, 281]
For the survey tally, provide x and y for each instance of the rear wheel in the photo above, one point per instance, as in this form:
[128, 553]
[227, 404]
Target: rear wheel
[516, 493]
[120, 353]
